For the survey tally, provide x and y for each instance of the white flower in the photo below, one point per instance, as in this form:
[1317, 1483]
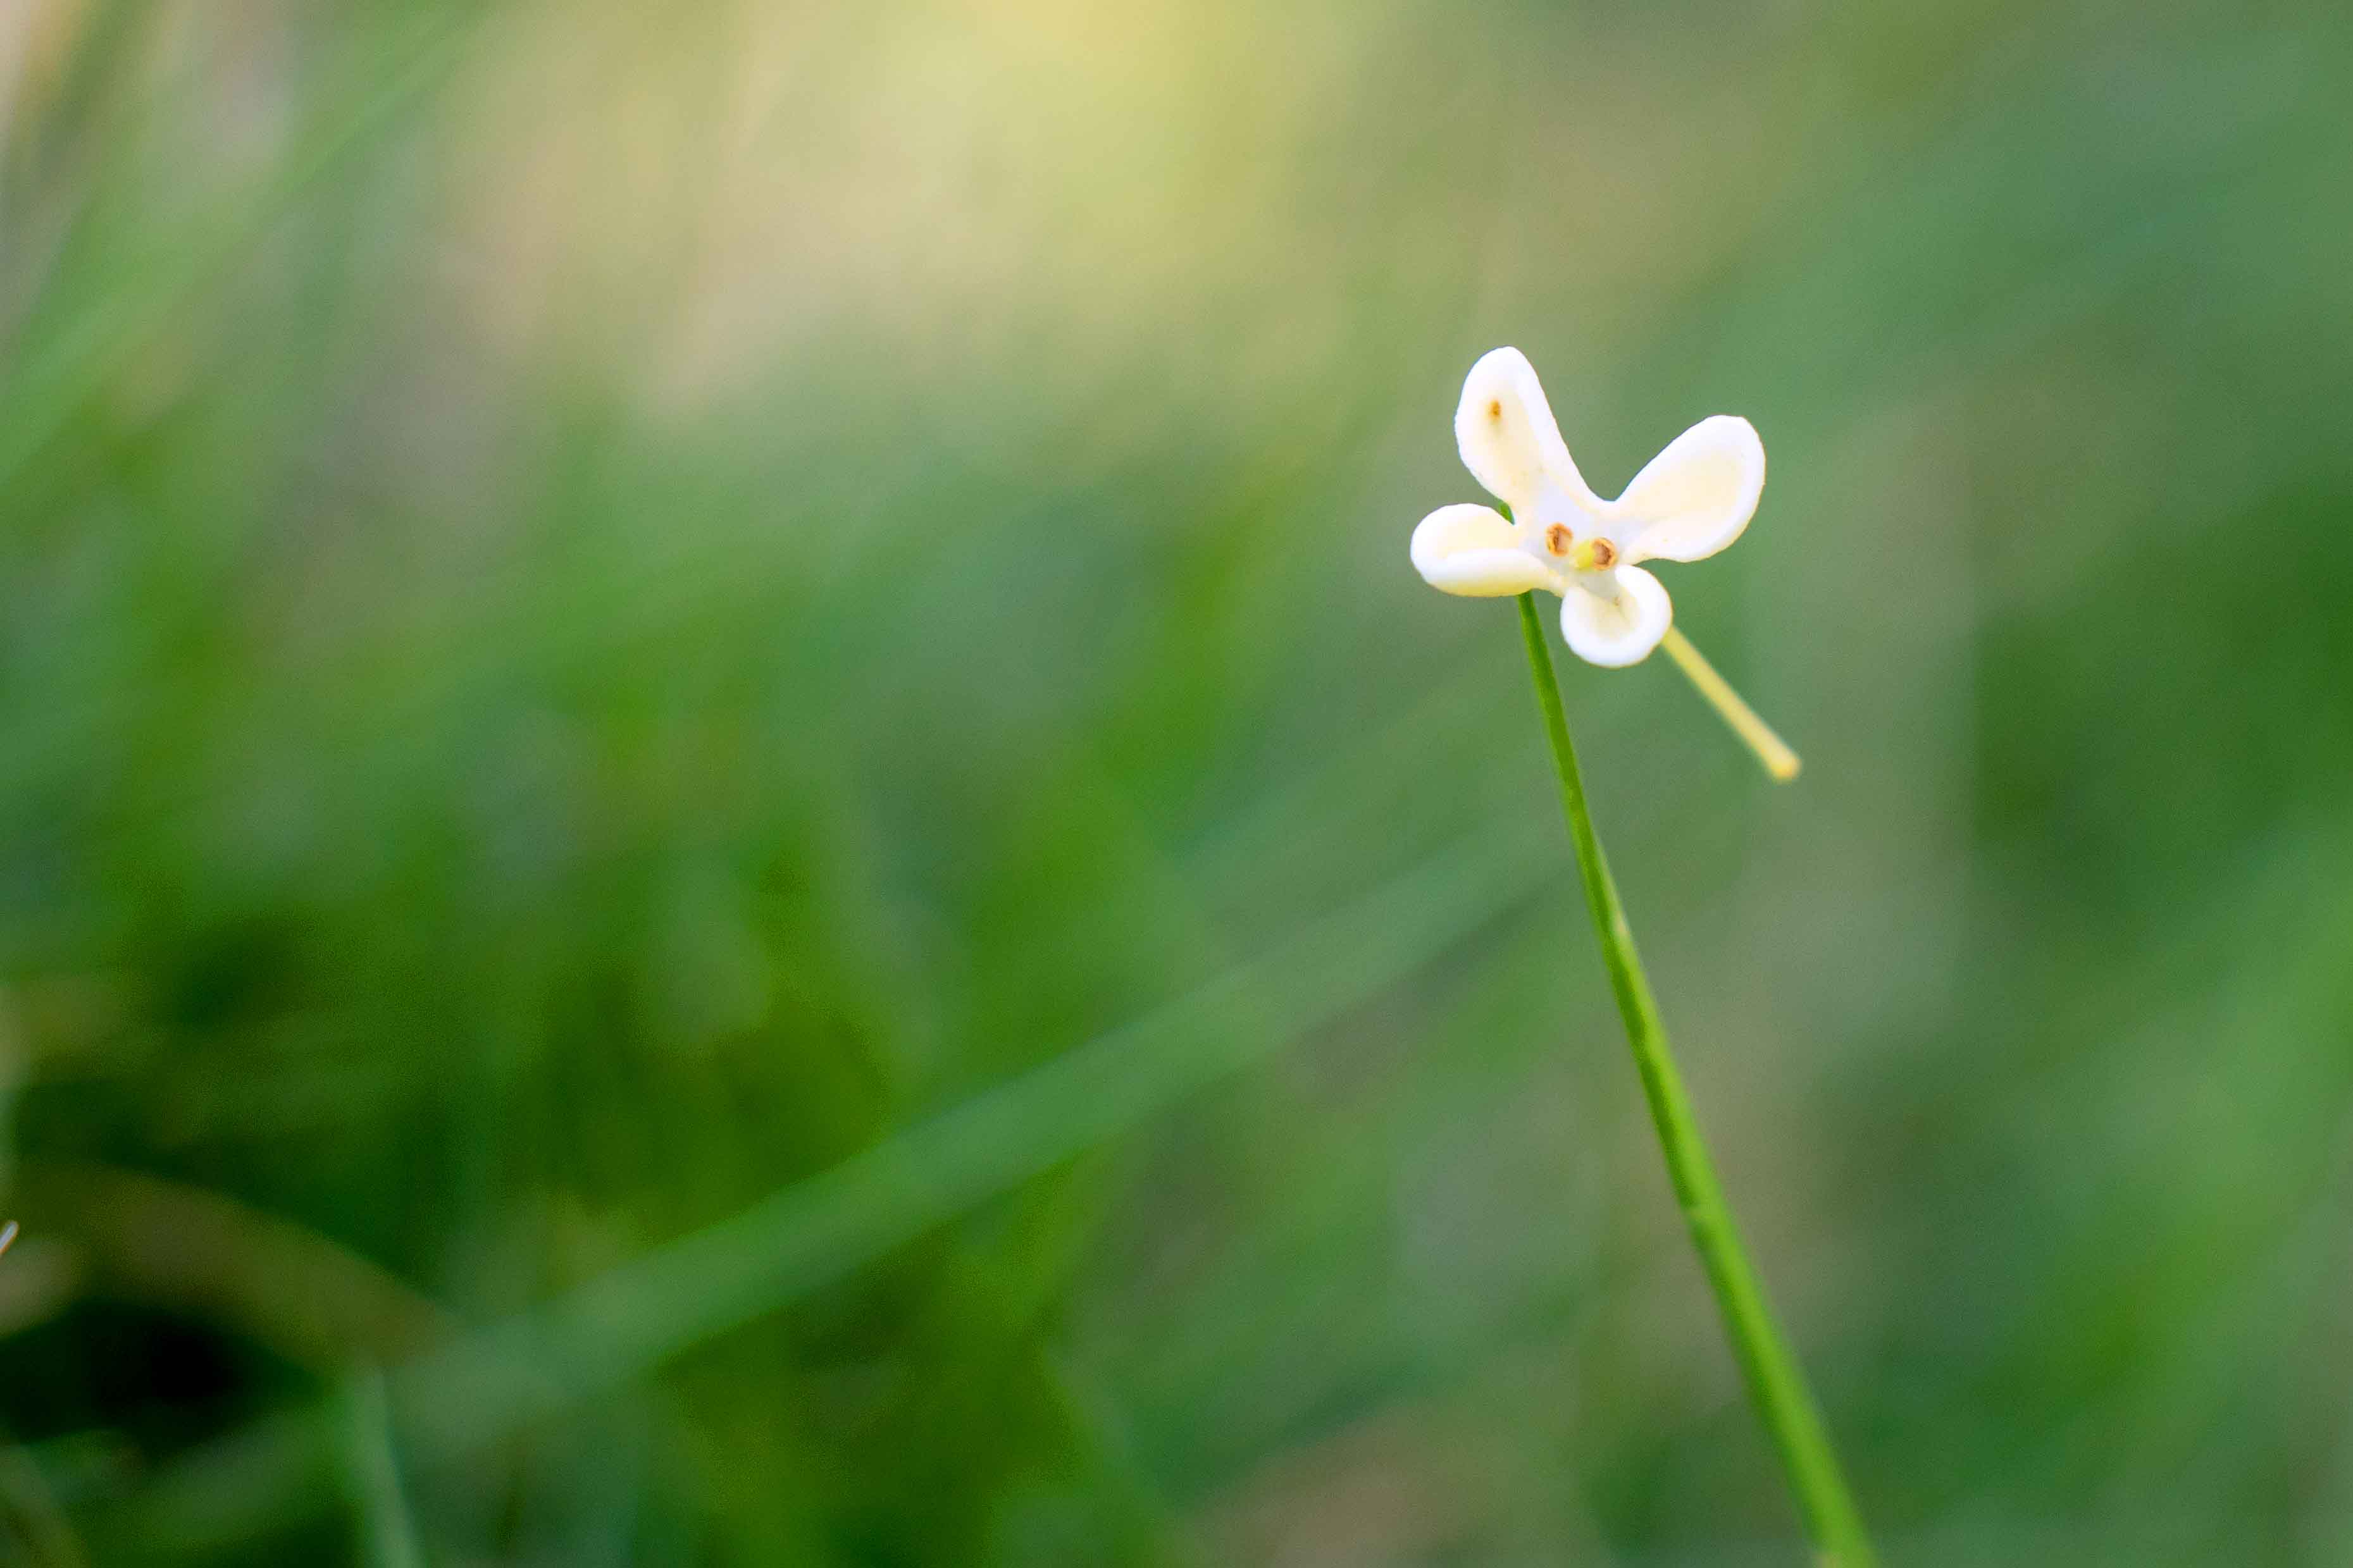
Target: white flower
[1688, 502]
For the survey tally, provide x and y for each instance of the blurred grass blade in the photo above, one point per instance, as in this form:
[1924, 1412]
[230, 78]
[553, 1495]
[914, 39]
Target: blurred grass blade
[387, 1538]
[42, 389]
[612, 1330]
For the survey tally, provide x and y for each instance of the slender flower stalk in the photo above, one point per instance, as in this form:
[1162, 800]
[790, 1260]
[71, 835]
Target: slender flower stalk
[1776, 1384]
[1550, 532]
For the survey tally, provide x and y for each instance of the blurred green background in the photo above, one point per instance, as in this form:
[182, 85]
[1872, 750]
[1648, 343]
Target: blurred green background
[729, 833]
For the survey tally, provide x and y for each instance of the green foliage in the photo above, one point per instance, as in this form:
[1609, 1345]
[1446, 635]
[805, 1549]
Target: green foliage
[621, 627]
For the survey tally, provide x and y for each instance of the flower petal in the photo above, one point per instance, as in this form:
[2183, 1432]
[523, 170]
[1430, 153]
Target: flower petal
[1475, 551]
[1694, 498]
[1615, 617]
[1507, 435]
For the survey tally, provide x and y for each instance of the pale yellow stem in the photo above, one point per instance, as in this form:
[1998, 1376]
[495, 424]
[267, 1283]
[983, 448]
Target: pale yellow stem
[1770, 749]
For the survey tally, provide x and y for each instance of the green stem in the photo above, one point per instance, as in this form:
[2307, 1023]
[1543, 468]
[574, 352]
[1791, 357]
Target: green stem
[1776, 1385]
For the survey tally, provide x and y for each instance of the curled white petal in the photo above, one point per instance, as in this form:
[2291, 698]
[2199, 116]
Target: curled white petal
[1694, 498]
[1615, 617]
[1507, 435]
[1475, 551]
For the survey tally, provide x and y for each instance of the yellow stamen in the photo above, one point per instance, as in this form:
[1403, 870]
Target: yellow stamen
[1595, 555]
[1770, 749]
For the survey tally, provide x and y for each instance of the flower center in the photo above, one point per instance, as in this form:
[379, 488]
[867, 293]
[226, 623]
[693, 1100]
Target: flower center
[1595, 556]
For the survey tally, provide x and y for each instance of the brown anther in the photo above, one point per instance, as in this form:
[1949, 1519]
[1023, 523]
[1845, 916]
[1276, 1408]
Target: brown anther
[1557, 539]
[1604, 553]
[1494, 408]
